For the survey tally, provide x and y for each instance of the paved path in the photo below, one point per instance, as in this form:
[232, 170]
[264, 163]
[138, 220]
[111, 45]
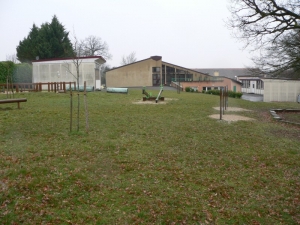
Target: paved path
[252, 97]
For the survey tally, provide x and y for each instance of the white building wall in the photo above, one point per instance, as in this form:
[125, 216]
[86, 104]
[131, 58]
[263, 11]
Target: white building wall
[64, 71]
[281, 90]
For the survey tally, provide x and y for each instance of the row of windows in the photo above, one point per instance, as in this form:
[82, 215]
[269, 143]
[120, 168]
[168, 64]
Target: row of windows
[258, 84]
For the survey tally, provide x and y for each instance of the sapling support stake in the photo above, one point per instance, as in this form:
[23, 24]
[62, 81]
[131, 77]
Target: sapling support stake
[86, 110]
[221, 103]
[71, 107]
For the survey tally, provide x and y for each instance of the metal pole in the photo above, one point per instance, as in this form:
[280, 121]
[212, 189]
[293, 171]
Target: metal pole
[71, 107]
[223, 100]
[221, 104]
[86, 110]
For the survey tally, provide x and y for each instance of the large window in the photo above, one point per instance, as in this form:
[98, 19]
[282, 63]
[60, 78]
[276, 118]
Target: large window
[246, 83]
[260, 84]
[155, 69]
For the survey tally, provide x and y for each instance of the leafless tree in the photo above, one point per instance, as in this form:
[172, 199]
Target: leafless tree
[92, 46]
[13, 58]
[270, 27]
[262, 22]
[76, 61]
[128, 59]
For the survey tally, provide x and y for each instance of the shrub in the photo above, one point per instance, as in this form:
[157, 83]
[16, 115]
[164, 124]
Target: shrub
[188, 89]
[231, 94]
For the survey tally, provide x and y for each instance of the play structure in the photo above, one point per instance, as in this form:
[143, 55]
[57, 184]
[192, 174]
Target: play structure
[223, 100]
[117, 90]
[13, 100]
[149, 96]
[10, 94]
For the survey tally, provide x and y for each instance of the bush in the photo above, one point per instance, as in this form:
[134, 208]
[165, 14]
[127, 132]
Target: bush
[6, 69]
[188, 89]
[231, 94]
[23, 73]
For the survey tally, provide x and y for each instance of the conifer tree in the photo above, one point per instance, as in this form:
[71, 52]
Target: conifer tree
[49, 41]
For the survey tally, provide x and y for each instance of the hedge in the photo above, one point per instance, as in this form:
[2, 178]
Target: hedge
[231, 94]
[20, 73]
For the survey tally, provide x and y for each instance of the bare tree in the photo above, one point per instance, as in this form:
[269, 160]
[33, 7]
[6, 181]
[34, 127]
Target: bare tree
[128, 59]
[92, 46]
[282, 58]
[13, 58]
[76, 61]
[270, 27]
[262, 22]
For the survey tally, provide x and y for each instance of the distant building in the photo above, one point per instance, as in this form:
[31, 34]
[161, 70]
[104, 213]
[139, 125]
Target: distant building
[281, 89]
[252, 84]
[232, 73]
[61, 70]
[155, 72]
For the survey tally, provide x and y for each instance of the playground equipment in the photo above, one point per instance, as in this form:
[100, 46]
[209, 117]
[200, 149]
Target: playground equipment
[149, 96]
[13, 100]
[117, 90]
[223, 100]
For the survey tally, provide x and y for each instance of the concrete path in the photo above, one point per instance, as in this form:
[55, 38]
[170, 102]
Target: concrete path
[252, 97]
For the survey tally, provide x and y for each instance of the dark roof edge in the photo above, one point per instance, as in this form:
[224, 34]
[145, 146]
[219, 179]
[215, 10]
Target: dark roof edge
[56, 59]
[129, 64]
[280, 78]
[187, 69]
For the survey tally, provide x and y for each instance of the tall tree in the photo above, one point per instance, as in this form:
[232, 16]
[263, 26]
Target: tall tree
[282, 58]
[27, 49]
[49, 41]
[266, 25]
[128, 59]
[104, 68]
[92, 46]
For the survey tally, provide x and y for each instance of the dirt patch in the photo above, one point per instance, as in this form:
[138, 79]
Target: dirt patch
[141, 102]
[293, 117]
[230, 118]
[233, 109]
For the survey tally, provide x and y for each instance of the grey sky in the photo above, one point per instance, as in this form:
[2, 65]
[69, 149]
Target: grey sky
[189, 33]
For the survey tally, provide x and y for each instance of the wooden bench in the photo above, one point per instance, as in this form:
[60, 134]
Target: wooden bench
[13, 100]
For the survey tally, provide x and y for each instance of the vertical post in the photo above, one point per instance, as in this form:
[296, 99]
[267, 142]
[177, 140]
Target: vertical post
[86, 110]
[165, 73]
[221, 97]
[71, 107]
[223, 100]
[227, 98]
[7, 86]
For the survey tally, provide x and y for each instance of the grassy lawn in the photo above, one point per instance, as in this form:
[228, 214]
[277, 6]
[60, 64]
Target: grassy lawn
[147, 164]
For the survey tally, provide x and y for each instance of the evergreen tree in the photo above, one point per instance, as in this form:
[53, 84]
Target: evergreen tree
[49, 41]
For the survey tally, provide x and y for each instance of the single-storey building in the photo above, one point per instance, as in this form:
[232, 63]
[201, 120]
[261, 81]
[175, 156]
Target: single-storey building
[64, 70]
[252, 84]
[281, 89]
[214, 83]
[155, 72]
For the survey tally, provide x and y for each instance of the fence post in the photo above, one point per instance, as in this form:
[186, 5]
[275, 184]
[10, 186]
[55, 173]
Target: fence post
[221, 98]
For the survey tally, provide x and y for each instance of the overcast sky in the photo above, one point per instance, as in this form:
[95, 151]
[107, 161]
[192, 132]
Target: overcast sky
[188, 33]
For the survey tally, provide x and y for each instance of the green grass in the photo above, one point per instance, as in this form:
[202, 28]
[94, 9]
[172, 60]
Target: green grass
[146, 164]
